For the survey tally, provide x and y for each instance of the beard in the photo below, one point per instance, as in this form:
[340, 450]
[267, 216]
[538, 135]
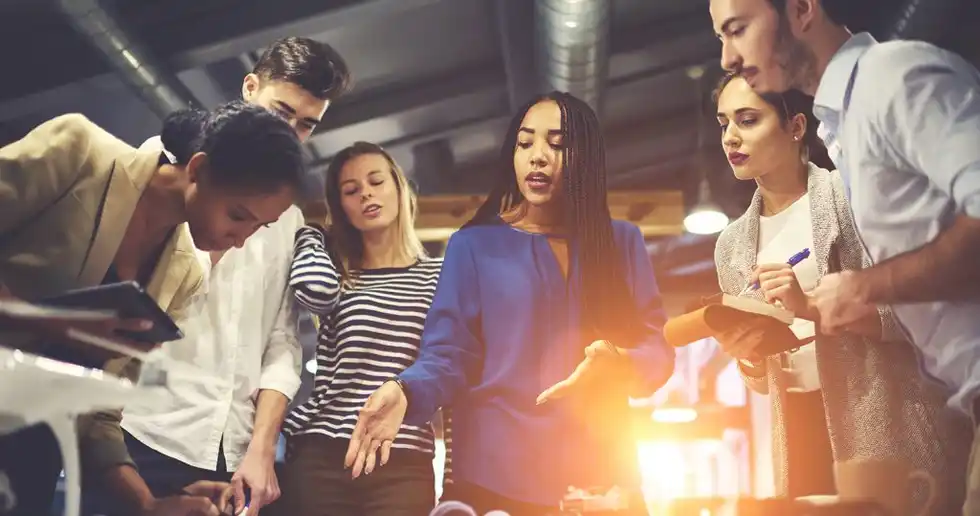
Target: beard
[794, 58]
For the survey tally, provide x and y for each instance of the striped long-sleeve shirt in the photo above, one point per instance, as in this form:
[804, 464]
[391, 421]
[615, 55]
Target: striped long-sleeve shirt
[369, 332]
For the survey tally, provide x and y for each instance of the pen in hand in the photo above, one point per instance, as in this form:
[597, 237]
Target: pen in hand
[793, 260]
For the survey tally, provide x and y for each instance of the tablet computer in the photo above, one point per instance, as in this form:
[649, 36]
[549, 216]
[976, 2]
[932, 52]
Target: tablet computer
[129, 301]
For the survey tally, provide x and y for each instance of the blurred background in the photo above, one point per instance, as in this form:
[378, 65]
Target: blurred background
[435, 83]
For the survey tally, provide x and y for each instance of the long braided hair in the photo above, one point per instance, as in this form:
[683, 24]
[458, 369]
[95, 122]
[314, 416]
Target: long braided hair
[607, 310]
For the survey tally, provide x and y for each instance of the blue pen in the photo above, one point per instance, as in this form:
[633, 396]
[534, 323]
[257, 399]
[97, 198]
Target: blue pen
[793, 260]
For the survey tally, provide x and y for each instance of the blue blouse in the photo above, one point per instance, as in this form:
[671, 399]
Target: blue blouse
[503, 327]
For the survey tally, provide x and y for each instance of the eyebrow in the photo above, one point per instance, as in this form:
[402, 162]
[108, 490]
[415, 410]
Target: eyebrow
[292, 111]
[738, 111]
[551, 132]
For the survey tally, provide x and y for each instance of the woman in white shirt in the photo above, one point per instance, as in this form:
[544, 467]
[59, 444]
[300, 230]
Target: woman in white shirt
[857, 396]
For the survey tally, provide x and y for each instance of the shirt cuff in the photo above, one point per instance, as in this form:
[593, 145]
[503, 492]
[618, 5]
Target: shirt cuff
[287, 387]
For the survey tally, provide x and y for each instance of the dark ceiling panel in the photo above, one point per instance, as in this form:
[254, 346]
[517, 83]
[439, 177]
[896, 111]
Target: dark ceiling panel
[173, 26]
[42, 51]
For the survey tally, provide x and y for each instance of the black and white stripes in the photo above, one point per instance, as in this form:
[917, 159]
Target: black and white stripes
[369, 332]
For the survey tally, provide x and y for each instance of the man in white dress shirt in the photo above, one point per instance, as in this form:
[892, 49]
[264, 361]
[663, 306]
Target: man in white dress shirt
[243, 326]
[901, 120]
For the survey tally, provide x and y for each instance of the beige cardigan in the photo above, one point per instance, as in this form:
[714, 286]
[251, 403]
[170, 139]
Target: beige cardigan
[876, 400]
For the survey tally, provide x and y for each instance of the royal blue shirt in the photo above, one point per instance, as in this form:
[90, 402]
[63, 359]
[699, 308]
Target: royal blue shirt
[503, 327]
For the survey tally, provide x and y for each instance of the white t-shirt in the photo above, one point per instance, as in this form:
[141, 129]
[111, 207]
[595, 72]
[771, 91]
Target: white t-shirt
[780, 237]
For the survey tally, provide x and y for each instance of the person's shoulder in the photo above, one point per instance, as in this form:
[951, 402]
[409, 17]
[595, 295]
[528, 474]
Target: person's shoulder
[732, 236]
[626, 233]
[625, 228]
[71, 127]
[477, 234]
[76, 144]
[895, 60]
[430, 264]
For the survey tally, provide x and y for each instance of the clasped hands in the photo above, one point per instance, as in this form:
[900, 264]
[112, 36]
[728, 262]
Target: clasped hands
[383, 413]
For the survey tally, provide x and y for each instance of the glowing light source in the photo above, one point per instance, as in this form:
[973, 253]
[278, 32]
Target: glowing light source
[705, 220]
[675, 415]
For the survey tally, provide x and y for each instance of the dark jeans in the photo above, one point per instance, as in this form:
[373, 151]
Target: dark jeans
[31, 460]
[314, 482]
[164, 475]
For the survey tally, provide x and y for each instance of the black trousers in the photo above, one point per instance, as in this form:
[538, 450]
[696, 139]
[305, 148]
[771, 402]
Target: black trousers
[314, 482]
[167, 476]
[31, 460]
[164, 475]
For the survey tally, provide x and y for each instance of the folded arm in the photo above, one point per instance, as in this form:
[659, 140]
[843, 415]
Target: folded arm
[450, 351]
[314, 277]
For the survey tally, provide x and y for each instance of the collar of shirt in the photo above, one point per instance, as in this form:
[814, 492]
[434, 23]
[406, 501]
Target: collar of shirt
[829, 99]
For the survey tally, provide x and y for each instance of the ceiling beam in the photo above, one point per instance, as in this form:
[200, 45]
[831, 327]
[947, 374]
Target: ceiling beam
[655, 212]
[301, 18]
[390, 102]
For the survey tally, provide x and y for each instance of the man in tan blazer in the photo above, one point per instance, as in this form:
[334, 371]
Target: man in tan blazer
[72, 206]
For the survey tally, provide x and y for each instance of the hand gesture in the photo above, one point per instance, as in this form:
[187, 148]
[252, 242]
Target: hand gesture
[601, 357]
[257, 472]
[376, 428]
[841, 302]
[777, 282]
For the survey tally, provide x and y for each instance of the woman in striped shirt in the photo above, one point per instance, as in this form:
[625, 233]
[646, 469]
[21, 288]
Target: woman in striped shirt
[369, 280]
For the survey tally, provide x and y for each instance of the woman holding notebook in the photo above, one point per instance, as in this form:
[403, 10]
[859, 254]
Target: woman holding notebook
[837, 398]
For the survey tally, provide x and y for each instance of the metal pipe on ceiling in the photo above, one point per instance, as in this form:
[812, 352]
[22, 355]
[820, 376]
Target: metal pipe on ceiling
[572, 42]
[160, 89]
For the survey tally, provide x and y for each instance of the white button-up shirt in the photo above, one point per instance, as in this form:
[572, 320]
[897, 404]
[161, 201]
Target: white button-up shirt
[902, 122]
[243, 327]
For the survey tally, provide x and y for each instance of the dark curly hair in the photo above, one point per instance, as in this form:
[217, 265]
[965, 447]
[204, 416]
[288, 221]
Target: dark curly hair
[249, 148]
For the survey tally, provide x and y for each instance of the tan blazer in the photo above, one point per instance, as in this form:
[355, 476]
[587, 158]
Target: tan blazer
[876, 401]
[67, 192]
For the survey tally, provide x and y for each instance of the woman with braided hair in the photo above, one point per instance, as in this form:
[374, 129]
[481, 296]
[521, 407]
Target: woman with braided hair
[546, 319]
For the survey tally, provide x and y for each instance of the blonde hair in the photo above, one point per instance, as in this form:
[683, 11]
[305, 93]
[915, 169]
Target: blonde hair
[348, 245]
